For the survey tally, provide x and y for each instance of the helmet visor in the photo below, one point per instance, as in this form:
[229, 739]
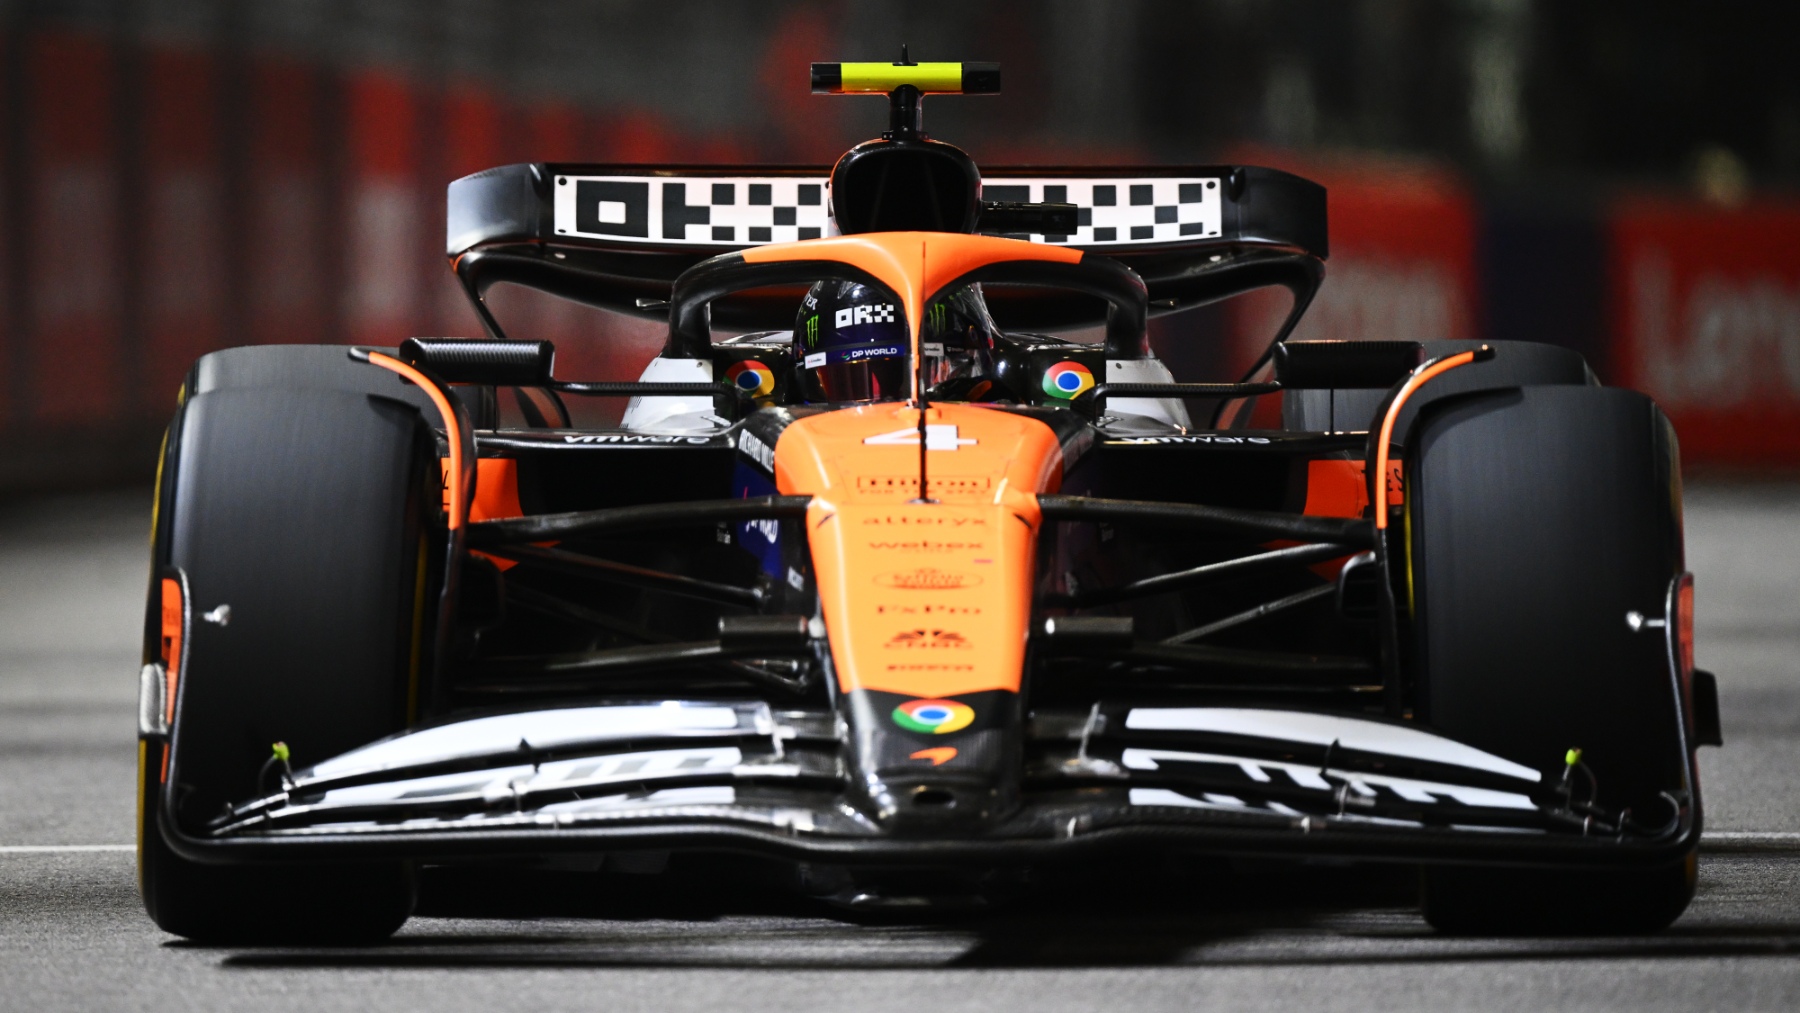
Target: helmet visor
[869, 380]
[852, 344]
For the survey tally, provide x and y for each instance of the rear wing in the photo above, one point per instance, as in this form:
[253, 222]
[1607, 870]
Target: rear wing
[709, 210]
[616, 236]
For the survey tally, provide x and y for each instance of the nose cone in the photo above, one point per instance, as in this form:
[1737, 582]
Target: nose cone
[936, 765]
[926, 598]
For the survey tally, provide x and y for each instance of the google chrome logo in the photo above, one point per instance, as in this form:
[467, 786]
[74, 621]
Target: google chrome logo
[934, 717]
[752, 377]
[1067, 379]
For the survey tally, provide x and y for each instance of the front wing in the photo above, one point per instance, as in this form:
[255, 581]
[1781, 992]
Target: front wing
[744, 776]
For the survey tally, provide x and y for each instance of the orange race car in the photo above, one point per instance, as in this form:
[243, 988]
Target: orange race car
[877, 577]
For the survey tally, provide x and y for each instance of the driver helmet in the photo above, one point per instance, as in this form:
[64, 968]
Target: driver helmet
[958, 338]
[851, 342]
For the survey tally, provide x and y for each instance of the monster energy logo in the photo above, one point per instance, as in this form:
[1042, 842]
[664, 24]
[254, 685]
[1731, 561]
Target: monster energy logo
[812, 330]
[938, 316]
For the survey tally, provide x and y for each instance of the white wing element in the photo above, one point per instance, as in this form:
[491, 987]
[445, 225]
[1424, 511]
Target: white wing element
[692, 210]
[497, 784]
[1323, 730]
[670, 210]
[547, 729]
[1122, 210]
[1309, 777]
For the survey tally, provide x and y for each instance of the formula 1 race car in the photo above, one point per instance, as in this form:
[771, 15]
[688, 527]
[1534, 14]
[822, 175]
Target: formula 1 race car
[876, 576]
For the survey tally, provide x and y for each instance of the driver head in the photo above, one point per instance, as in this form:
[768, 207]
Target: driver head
[852, 344]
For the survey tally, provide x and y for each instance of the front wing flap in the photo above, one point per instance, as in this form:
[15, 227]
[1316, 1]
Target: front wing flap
[745, 776]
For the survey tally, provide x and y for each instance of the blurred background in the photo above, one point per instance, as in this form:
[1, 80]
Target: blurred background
[1622, 176]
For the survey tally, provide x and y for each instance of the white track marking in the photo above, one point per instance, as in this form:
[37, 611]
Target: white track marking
[1728, 837]
[53, 849]
[1746, 835]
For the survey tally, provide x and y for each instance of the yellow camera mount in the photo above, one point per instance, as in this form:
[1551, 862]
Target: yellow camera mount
[905, 83]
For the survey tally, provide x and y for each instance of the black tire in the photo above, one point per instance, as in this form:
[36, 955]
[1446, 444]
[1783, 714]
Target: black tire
[324, 367]
[303, 510]
[1556, 902]
[1537, 518]
[1517, 364]
[298, 367]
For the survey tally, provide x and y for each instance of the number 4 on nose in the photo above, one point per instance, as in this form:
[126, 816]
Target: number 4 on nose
[937, 437]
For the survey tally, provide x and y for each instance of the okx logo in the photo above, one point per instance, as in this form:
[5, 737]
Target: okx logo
[850, 316]
[934, 717]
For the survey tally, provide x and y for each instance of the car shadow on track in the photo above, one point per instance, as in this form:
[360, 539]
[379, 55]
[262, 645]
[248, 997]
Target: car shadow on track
[1213, 914]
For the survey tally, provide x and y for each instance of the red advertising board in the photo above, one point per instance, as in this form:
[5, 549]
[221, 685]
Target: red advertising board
[182, 246]
[389, 238]
[1402, 258]
[1705, 311]
[291, 240]
[73, 274]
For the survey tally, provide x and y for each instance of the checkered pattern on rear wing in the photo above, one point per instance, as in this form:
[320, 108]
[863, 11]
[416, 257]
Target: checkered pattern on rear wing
[751, 211]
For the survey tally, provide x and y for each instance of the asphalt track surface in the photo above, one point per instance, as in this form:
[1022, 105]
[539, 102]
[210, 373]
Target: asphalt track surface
[73, 936]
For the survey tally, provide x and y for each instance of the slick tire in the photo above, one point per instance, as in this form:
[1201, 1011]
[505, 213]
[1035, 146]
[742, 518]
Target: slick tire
[304, 511]
[1557, 902]
[323, 367]
[1537, 518]
[1516, 364]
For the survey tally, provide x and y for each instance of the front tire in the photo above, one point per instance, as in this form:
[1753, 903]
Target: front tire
[1537, 519]
[303, 511]
[1515, 364]
[1557, 902]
